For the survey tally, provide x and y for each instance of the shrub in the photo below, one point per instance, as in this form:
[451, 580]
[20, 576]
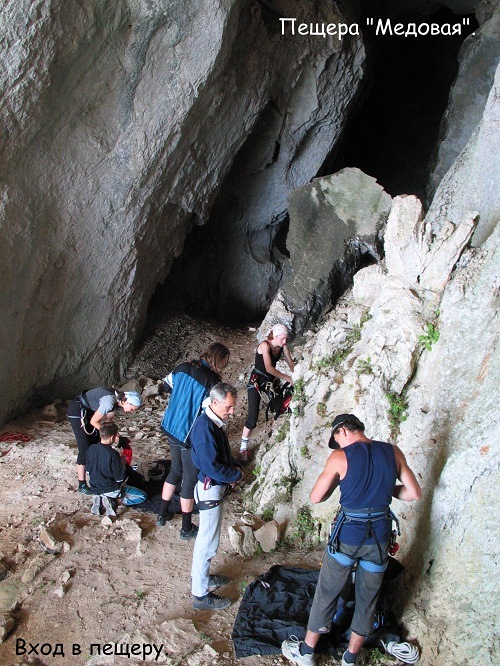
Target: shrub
[398, 411]
[430, 337]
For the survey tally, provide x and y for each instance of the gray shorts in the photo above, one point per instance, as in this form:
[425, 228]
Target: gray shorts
[332, 578]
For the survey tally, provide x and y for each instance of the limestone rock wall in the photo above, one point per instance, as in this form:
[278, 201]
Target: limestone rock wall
[118, 123]
[479, 60]
[413, 351]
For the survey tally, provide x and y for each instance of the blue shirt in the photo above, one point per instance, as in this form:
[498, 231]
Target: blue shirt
[369, 483]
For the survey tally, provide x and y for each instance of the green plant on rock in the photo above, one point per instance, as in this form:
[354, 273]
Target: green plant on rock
[304, 451]
[334, 361]
[288, 483]
[321, 409]
[366, 316]
[299, 397]
[256, 471]
[268, 514]
[375, 657]
[364, 366]
[304, 526]
[397, 412]
[283, 430]
[430, 337]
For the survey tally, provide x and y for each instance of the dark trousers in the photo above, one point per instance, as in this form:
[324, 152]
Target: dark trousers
[253, 407]
[83, 439]
[182, 470]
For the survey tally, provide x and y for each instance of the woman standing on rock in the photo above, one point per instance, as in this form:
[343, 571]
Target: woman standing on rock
[85, 414]
[268, 353]
[190, 383]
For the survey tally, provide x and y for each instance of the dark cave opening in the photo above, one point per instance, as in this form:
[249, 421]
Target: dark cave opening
[392, 134]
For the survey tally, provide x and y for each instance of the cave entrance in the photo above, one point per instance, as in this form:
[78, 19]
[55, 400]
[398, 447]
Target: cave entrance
[392, 134]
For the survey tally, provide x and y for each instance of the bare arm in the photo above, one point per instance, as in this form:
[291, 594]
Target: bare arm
[288, 358]
[97, 417]
[264, 349]
[409, 489]
[329, 478]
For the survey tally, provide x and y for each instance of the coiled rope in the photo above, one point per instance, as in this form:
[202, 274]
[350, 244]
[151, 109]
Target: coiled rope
[403, 651]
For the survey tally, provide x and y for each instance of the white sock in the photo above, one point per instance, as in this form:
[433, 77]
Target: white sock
[244, 443]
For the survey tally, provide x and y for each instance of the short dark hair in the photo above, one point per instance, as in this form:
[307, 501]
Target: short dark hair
[108, 430]
[348, 421]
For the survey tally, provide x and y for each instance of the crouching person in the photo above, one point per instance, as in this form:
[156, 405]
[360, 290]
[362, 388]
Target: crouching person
[107, 474]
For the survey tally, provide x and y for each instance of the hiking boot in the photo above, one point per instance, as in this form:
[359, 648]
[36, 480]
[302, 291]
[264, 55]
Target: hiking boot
[96, 506]
[244, 456]
[84, 489]
[162, 519]
[187, 535]
[110, 505]
[216, 581]
[211, 602]
[291, 650]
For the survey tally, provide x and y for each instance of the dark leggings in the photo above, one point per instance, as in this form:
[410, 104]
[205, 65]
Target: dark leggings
[83, 440]
[253, 407]
[182, 469]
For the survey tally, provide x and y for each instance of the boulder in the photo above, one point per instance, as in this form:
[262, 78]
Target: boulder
[268, 536]
[334, 222]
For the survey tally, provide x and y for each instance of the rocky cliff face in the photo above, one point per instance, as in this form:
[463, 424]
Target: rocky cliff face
[413, 351]
[119, 122]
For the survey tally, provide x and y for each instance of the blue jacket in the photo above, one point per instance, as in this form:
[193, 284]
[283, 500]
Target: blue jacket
[211, 452]
[191, 385]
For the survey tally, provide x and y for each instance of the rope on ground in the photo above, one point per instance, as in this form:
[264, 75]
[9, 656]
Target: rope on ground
[14, 437]
[403, 651]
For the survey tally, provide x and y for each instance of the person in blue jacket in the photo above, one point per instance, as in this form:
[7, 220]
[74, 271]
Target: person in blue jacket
[219, 472]
[190, 383]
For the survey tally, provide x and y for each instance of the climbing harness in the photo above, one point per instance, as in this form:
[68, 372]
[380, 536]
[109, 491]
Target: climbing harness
[204, 505]
[276, 395]
[84, 408]
[367, 516]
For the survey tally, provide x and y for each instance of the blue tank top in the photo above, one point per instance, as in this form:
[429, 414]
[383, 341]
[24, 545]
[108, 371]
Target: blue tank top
[369, 483]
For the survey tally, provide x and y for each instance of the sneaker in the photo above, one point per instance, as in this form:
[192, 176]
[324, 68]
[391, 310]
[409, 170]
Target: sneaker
[217, 581]
[244, 456]
[84, 489]
[211, 601]
[291, 650]
[96, 506]
[187, 535]
[162, 519]
[109, 504]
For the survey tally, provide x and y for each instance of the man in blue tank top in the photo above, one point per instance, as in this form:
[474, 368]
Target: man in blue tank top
[367, 472]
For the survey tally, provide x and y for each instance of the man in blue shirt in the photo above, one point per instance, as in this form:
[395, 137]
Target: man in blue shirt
[219, 472]
[367, 472]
